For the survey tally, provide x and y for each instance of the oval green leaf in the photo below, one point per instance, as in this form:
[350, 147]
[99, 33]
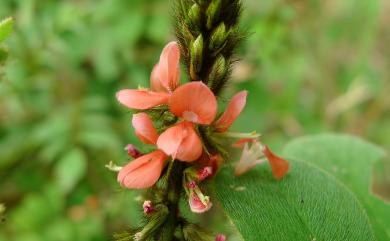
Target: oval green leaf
[350, 160]
[308, 204]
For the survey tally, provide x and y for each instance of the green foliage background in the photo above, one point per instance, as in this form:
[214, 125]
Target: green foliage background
[309, 65]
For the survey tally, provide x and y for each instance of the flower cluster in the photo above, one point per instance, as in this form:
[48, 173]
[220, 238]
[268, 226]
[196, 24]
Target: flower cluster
[182, 125]
[191, 106]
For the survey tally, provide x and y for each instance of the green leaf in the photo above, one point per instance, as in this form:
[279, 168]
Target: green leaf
[305, 205]
[5, 28]
[70, 169]
[350, 160]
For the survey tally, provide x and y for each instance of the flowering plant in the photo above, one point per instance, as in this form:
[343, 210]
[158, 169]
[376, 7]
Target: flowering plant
[192, 141]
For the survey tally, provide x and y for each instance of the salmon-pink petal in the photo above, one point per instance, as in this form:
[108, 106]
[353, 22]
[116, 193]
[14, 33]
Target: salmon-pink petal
[144, 128]
[169, 69]
[181, 141]
[170, 140]
[191, 147]
[141, 99]
[279, 166]
[233, 110]
[143, 172]
[155, 82]
[194, 102]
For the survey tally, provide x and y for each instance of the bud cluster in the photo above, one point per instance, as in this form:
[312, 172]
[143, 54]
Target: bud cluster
[208, 34]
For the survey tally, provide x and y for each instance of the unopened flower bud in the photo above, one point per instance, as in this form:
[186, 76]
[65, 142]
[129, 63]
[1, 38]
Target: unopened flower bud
[194, 15]
[198, 202]
[133, 151]
[220, 237]
[204, 173]
[196, 51]
[148, 207]
[218, 71]
[191, 184]
[218, 37]
[213, 12]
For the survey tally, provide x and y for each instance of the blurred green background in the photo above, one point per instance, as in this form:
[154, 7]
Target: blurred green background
[310, 66]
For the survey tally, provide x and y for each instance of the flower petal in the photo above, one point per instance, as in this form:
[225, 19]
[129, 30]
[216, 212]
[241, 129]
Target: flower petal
[144, 128]
[279, 166]
[141, 99]
[143, 172]
[169, 69]
[233, 110]
[155, 82]
[181, 141]
[194, 102]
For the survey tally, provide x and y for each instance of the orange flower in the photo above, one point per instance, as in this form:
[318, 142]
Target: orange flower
[164, 79]
[144, 171]
[195, 103]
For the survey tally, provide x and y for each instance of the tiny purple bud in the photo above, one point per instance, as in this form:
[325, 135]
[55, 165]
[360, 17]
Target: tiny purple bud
[148, 207]
[191, 184]
[220, 237]
[132, 151]
[204, 173]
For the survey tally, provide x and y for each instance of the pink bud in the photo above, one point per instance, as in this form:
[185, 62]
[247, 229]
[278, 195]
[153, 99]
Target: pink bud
[204, 173]
[148, 207]
[191, 185]
[132, 151]
[199, 204]
[220, 237]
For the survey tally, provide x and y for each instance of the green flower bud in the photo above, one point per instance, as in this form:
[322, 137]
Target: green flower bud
[218, 71]
[218, 37]
[196, 57]
[194, 17]
[212, 13]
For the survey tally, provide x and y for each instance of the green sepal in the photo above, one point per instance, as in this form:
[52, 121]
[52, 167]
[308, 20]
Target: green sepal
[196, 57]
[212, 13]
[218, 71]
[218, 38]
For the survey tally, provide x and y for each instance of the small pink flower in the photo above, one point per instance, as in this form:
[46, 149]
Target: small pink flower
[251, 156]
[255, 153]
[198, 202]
[148, 207]
[220, 237]
[132, 151]
[204, 173]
